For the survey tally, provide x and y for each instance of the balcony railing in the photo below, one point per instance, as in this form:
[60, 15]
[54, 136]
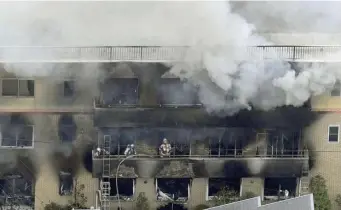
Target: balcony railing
[49, 54]
[212, 153]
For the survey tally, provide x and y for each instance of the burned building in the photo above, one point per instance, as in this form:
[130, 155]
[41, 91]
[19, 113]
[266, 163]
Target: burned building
[122, 134]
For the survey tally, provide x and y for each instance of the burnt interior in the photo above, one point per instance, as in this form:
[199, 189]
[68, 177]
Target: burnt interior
[127, 136]
[174, 189]
[69, 88]
[172, 206]
[63, 161]
[17, 132]
[283, 143]
[16, 189]
[178, 138]
[87, 159]
[272, 186]
[173, 91]
[125, 187]
[66, 128]
[217, 184]
[220, 142]
[119, 91]
[65, 183]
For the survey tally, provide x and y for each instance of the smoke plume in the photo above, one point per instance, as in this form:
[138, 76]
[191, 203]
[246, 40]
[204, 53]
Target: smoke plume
[228, 79]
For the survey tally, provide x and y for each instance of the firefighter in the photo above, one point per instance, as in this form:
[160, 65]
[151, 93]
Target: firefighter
[130, 150]
[165, 148]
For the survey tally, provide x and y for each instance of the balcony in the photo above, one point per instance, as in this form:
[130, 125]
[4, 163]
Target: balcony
[221, 152]
[155, 54]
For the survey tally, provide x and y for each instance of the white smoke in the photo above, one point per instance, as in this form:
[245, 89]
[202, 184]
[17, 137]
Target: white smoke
[217, 62]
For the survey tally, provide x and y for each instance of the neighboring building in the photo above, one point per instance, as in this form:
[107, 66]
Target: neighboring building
[56, 123]
[298, 203]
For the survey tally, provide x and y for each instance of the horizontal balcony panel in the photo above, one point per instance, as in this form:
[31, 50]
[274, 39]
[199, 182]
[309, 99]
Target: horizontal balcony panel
[77, 54]
[203, 167]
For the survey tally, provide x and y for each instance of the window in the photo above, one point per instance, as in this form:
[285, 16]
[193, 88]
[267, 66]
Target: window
[177, 189]
[15, 188]
[120, 91]
[67, 128]
[333, 133]
[20, 136]
[336, 90]
[172, 91]
[126, 188]
[216, 185]
[65, 183]
[69, 88]
[274, 187]
[15, 87]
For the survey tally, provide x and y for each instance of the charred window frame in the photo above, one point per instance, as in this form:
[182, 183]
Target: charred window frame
[119, 92]
[168, 86]
[18, 87]
[333, 133]
[66, 182]
[274, 187]
[69, 88]
[179, 197]
[126, 192]
[17, 136]
[17, 187]
[214, 185]
[283, 143]
[336, 91]
[216, 146]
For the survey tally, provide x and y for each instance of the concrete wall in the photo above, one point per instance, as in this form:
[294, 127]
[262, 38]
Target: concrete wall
[47, 143]
[326, 157]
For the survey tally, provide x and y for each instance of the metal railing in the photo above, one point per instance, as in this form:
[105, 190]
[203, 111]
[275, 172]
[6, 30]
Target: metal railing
[210, 153]
[155, 53]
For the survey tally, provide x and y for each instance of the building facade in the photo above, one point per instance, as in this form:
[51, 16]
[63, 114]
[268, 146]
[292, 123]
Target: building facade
[51, 127]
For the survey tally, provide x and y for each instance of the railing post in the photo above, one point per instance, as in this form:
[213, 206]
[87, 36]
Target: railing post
[294, 53]
[141, 53]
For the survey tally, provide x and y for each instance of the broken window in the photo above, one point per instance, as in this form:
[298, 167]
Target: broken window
[214, 136]
[67, 128]
[283, 143]
[215, 185]
[120, 91]
[16, 189]
[65, 183]
[126, 188]
[69, 88]
[17, 136]
[274, 187]
[173, 91]
[232, 141]
[177, 189]
[15, 87]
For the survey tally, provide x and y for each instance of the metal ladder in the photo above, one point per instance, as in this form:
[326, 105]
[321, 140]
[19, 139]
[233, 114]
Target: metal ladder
[105, 184]
[305, 179]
